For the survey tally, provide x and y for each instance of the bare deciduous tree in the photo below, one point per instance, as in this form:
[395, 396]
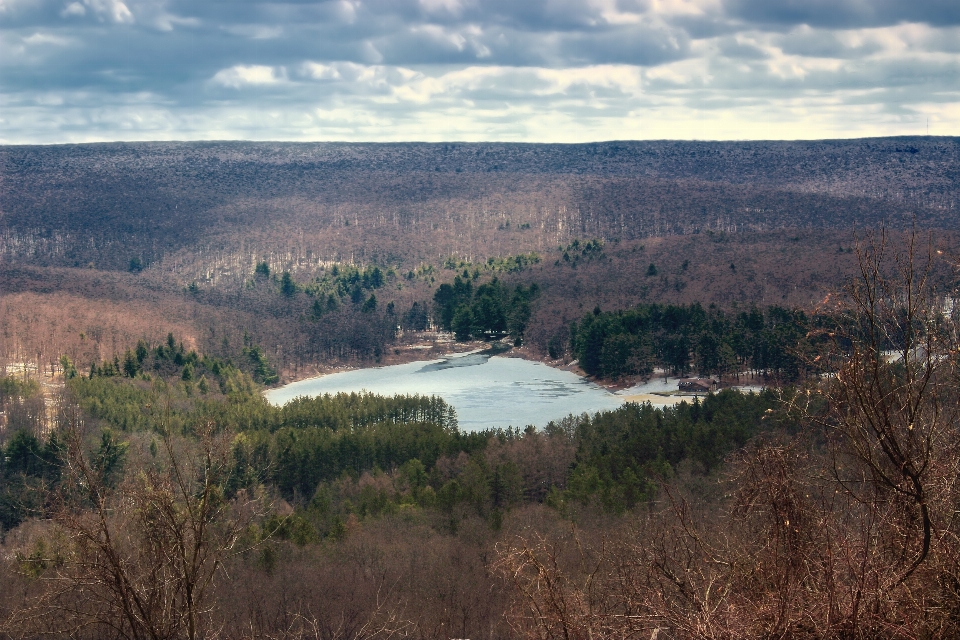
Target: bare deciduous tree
[847, 530]
[894, 401]
[142, 558]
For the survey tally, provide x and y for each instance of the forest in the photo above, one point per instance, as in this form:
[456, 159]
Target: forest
[151, 293]
[162, 496]
[319, 252]
[490, 311]
[776, 342]
[70, 205]
[321, 470]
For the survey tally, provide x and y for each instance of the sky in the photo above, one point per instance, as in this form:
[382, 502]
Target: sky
[477, 70]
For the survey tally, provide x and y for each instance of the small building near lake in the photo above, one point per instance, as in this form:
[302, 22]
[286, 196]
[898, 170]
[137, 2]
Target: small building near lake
[697, 385]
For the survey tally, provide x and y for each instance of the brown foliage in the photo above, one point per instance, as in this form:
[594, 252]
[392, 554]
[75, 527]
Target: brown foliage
[390, 578]
[138, 561]
[846, 531]
[39, 328]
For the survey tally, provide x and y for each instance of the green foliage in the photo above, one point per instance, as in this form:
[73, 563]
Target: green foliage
[490, 311]
[326, 455]
[621, 454]
[109, 457]
[417, 318]
[513, 264]
[142, 351]
[69, 370]
[172, 360]
[293, 527]
[502, 264]
[347, 280]
[129, 406]
[581, 251]
[26, 454]
[681, 337]
[345, 411]
[11, 388]
[260, 367]
[621, 457]
[28, 468]
[312, 440]
[287, 286]
[506, 485]
[463, 323]
[450, 297]
[131, 365]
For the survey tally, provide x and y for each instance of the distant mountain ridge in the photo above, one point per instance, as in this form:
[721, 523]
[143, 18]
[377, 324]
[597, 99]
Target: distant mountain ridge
[73, 204]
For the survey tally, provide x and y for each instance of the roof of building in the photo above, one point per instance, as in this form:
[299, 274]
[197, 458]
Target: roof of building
[696, 383]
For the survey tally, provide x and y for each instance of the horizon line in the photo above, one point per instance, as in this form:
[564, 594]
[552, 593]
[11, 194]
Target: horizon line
[468, 142]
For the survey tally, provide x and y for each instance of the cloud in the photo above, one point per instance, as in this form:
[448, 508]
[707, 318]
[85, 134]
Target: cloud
[73, 9]
[471, 86]
[254, 31]
[42, 39]
[845, 14]
[111, 10]
[469, 69]
[240, 76]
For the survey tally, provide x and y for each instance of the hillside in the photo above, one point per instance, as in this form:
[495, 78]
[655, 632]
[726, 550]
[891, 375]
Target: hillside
[106, 203]
[169, 234]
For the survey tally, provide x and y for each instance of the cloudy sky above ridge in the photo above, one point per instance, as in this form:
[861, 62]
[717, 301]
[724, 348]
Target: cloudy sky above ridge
[512, 70]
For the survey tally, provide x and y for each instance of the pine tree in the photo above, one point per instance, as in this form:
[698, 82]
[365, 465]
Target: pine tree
[287, 286]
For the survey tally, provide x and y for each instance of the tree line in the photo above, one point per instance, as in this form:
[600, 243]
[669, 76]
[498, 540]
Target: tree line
[488, 311]
[775, 341]
[313, 445]
[172, 359]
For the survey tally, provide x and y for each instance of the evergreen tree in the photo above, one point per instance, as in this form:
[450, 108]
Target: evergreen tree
[462, 324]
[287, 286]
[131, 366]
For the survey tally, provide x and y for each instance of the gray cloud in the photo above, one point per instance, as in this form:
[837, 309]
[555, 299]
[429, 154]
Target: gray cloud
[825, 44]
[846, 14]
[733, 48]
[472, 69]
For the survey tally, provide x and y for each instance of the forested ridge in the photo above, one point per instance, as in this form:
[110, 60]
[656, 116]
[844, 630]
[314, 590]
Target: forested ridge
[150, 293]
[150, 198]
[320, 251]
[169, 462]
[346, 314]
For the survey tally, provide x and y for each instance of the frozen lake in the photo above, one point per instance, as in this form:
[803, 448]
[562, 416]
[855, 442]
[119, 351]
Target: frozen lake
[487, 391]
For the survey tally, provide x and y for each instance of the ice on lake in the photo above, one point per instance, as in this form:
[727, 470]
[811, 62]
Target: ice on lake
[486, 391]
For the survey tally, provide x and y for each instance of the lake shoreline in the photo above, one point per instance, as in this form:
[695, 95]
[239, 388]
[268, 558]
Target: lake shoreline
[424, 350]
[434, 346]
[660, 390]
[486, 389]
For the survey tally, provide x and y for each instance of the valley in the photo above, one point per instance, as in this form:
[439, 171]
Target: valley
[622, 389]
[168, 236]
